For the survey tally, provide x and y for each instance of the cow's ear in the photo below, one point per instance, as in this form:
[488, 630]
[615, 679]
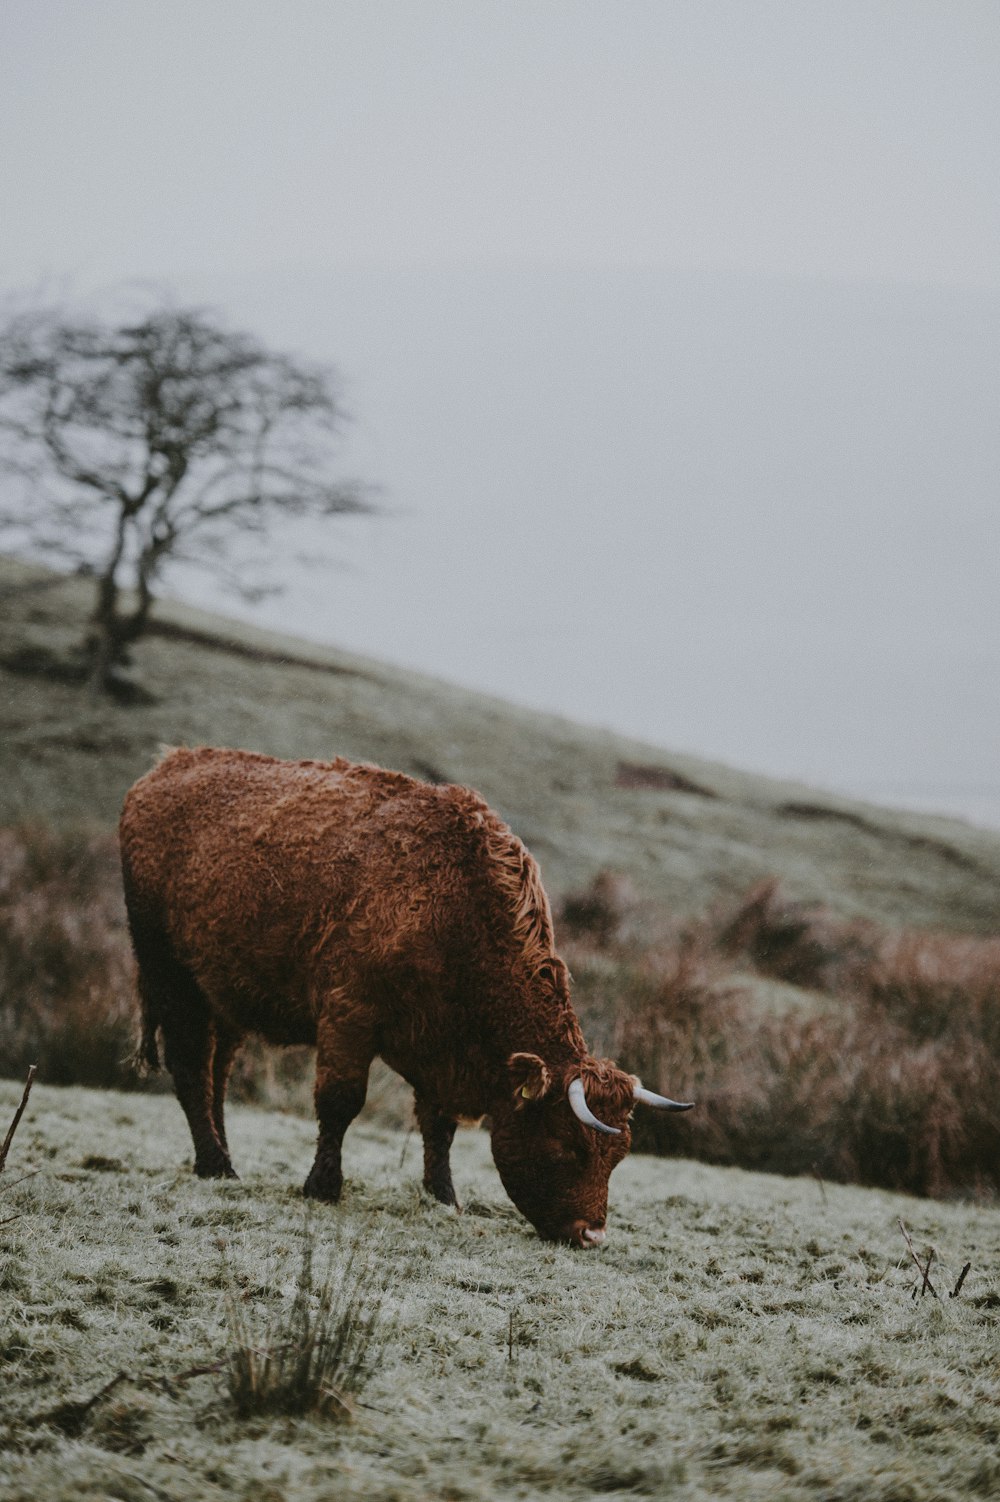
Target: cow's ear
[529, 1076]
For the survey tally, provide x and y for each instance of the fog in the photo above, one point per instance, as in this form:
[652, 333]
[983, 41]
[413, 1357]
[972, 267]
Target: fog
[670, 334]
[754, 519]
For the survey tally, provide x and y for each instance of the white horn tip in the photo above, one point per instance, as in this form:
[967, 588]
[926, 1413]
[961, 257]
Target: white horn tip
[660, 1102]
[578, 1102]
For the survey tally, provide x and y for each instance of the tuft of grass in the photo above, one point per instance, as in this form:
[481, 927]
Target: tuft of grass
[600, 912]
[318, 1353]
[798, 942]
[935, 986]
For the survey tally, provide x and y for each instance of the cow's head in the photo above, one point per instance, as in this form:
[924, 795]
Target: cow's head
[556, 1138]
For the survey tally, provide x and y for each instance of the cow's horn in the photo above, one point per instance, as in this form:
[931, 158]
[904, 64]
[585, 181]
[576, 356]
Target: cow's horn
[578, 1101]
[661, 1102]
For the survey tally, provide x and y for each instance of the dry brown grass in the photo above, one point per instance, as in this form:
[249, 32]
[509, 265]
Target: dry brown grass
[65, 965]
[894, 1081]
[932, 983]
[801, 943]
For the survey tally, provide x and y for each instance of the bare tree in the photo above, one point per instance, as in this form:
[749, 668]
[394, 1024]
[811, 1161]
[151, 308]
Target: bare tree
[153, 442]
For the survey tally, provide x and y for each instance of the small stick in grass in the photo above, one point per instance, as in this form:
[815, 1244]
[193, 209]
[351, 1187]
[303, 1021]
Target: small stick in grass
[17, 1117]
[29, 1175]
[406, 1143]
[141, 1480]
[923, 1271]
[961, 1279]
[209, 1369]
[927, 1280]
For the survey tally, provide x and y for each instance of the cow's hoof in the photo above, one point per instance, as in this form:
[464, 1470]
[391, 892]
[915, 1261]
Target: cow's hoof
[216, 1170]
[443, 1192]
[319, 1187]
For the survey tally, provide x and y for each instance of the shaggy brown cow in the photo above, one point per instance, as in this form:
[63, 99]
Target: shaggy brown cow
[369, 914]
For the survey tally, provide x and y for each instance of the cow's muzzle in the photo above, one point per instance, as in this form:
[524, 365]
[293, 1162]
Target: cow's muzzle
[580, 1233]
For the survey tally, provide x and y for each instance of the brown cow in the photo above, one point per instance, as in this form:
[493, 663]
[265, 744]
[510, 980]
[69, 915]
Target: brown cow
[369, 914]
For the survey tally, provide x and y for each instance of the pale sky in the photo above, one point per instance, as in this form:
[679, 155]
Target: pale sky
[672, 331]
[839, 138]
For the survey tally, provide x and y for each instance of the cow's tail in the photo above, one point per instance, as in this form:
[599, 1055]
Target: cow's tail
[146, 1058]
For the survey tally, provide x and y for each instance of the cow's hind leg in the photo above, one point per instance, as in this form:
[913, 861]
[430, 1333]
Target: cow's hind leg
[438, 1132]
[189, 1048]
[172, 999]
[344, 1051]
[227, 1046]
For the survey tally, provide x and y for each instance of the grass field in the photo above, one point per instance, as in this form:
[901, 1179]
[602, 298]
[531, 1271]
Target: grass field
[739, 1335]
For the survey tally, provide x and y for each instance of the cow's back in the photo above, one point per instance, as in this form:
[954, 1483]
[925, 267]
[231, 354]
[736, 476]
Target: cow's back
[270, 876]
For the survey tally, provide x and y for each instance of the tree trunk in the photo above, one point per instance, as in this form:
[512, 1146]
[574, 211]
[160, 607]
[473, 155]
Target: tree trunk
[110, 632]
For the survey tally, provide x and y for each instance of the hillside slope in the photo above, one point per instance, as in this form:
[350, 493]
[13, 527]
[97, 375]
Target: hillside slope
[685, 831]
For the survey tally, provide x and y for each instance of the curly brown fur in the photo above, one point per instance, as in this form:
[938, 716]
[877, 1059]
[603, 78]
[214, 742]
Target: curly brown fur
[371, 914]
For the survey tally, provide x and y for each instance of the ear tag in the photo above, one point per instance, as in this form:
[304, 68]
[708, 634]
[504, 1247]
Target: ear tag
[526, 1093]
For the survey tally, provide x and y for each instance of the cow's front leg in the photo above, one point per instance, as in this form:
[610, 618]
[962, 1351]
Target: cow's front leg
[343, 1057]
[438, 1132]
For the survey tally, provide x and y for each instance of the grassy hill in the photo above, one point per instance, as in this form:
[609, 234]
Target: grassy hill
[738, 1336]
[685, 831]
